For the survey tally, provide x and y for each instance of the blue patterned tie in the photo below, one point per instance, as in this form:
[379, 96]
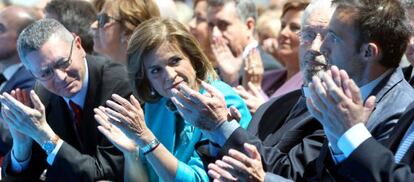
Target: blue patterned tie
[403, 148]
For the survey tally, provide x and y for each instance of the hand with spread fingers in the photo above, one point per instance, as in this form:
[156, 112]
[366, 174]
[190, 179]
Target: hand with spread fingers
[128, 117]
[205, 111]
[252, 96]
[336, 102]
[228, 65]
[113, 132]
[253, 70]
[18, 137]
[27, 119]
[238, 166]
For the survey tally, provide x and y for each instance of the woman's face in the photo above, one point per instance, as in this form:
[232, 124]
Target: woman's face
[288, 38]
[108, 32]
[198, 24]
[166, 67]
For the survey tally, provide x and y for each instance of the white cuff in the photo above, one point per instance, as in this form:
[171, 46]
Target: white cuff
[352, 138]
[51, 157]
[17, 166]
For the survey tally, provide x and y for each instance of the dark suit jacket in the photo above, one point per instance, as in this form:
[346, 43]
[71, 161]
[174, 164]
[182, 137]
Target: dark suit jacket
[21, 79]
[407, 74]
[393, 94]
[285, 134]
[372, 161]
[97, 158]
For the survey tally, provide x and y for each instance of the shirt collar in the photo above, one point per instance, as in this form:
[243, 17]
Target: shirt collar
[11, 70]
[367, 88]
[79, 98]
[249, 47]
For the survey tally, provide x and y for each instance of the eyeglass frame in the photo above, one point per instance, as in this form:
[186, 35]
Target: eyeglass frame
[104, 16]
[60, 64]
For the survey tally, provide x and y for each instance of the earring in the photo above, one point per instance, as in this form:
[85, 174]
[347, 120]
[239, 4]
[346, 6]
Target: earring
[152, 92]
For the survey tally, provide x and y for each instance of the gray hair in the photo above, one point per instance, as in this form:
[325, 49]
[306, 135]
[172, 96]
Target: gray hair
[317, 5]
[245, 8]
[408, 4]
[35, 35]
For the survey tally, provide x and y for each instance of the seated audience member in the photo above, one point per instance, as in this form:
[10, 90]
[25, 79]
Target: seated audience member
[199, 28]
[408, 71]
[77, 16]
[384, 82]
[53, 128]
[115, 24]
[13, 75]
[231, 26]
[368, 159]
[278, 82]
[358, 28]
[163, 56]
[268, 28]
[287, 134]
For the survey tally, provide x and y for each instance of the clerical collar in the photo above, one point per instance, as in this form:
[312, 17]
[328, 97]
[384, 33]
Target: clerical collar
[79, 98]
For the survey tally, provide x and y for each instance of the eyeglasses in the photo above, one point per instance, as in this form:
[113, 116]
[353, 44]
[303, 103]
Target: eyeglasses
[103, 19]
[306, 37]
[48, 72]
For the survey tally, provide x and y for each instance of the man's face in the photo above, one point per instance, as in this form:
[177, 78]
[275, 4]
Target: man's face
[224, 22]
[8, 33]
[339, 45]
[410, 48]
[64, 81]
[313, 32]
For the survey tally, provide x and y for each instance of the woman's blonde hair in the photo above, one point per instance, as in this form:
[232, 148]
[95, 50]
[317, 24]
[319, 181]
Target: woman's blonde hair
[152, 34]
[131, 13]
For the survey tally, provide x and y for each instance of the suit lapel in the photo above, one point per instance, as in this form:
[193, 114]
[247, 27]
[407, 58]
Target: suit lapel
[88, 124]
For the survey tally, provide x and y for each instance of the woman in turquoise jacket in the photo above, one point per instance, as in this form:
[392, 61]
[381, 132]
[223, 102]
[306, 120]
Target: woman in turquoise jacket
[159, 145]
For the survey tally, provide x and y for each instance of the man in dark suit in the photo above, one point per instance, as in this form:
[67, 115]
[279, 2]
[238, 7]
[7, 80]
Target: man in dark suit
[14, 75]
[290, 160]
[57, 130]
[287, 135]
[345, 131]
[231, 25]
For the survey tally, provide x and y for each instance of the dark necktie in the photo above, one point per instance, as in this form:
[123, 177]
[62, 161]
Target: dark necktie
[77, 113]
[2, 78]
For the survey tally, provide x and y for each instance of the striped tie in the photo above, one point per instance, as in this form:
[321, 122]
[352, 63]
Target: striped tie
[403, 148]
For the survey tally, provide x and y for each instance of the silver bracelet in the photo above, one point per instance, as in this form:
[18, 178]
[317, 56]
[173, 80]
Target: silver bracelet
[150, 147]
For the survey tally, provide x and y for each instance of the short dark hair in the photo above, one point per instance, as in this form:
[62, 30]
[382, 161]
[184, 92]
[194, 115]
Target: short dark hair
[384, 22]
[77, 16]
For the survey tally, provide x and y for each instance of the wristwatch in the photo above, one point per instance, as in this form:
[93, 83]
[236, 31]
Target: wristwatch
[150, 147]
[49, 145]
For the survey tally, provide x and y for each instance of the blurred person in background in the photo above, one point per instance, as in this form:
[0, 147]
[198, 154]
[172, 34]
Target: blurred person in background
[231, 26]
[115, 23]
[268, 28]
[199, 28]
[77, 16]
[409, 54]
[279, 82]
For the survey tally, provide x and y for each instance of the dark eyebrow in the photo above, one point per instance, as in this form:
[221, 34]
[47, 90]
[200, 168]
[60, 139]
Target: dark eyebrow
[174, 58]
